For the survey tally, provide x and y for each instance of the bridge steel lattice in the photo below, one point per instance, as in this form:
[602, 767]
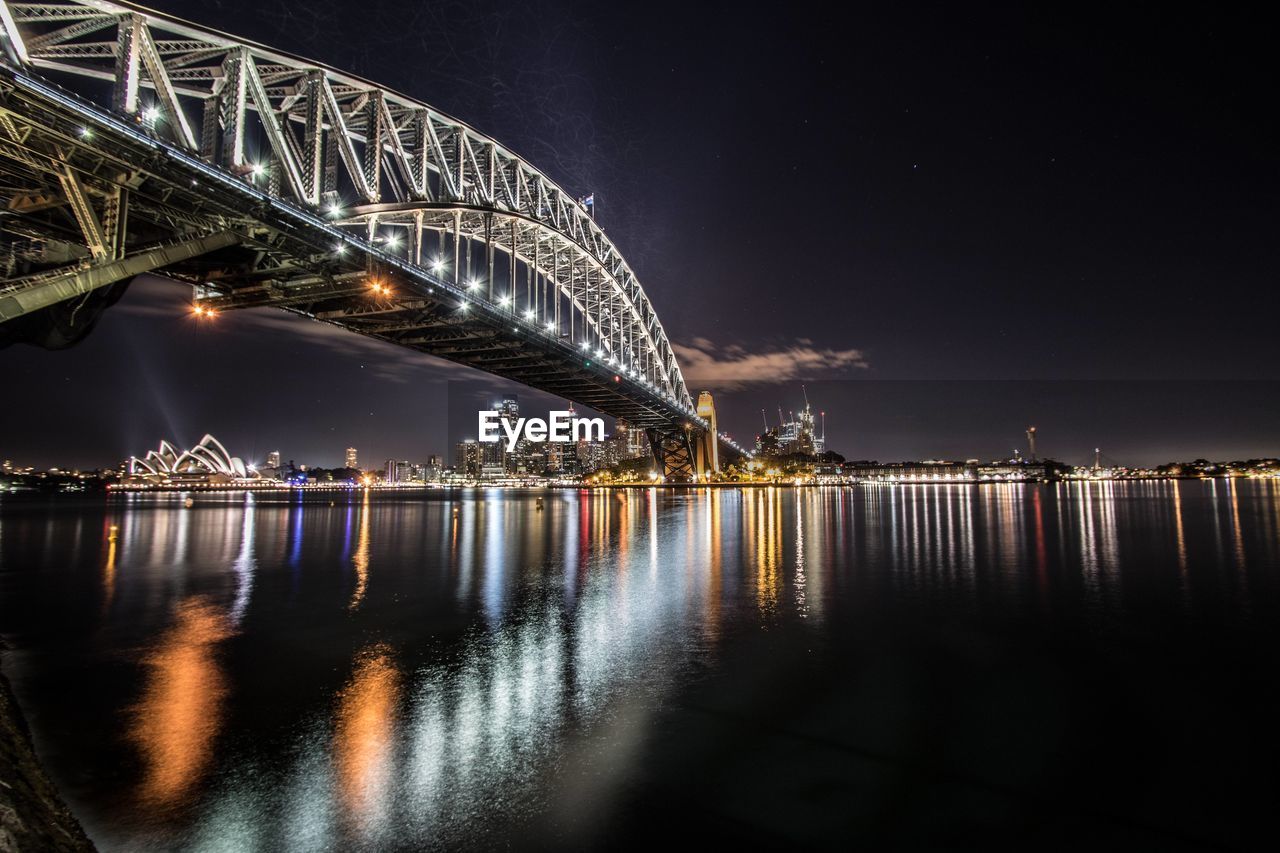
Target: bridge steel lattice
[134, 142]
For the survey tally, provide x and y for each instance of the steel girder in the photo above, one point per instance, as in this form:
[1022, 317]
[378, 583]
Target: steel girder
[404, 164]
[673, 451]
[26, 295]
[539, 276]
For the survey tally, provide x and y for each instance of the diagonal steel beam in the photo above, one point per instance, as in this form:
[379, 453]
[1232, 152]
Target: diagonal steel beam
[33, 293]
[9, 29]
[343, 139]
[94, 237]
[271, 124]
[74, 31]
[164, 88]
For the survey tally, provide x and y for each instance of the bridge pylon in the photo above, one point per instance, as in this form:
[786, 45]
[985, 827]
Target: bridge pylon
[674, 453]
[707, 447]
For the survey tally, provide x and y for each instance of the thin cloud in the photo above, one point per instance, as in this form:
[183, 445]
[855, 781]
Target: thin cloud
[734, 366]
[385, 360]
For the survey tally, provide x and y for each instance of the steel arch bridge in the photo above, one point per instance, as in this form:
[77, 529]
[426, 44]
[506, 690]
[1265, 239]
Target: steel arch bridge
[133, 142]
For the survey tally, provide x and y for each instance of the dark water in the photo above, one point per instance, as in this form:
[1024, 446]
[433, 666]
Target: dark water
[1023, 667]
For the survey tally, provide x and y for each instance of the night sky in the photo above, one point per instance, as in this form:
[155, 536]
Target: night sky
[949, 223]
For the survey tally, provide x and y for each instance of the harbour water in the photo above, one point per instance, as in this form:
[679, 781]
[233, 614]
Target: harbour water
[912, 666]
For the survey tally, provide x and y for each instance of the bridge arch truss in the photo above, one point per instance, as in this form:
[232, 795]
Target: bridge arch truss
[437, 195]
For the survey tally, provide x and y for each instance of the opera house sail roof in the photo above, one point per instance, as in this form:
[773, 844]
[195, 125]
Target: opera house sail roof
[208, 460]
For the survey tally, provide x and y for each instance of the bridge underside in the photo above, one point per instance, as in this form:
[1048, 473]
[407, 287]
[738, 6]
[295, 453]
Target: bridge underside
[673, 453]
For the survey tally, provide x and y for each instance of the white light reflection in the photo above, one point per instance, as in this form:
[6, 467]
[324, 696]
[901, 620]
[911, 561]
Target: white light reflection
[244, 565]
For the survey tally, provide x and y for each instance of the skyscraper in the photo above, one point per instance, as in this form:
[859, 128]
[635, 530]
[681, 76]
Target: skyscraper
[631, 442]
[273, 459]
[469, 459]
[434, 467]
[497, 455]
[351, 458]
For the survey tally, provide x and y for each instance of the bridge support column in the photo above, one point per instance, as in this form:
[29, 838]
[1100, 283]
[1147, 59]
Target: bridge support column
[673, 451]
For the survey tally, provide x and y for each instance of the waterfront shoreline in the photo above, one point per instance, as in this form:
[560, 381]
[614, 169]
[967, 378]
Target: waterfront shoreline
[460, 487]
[33, 815]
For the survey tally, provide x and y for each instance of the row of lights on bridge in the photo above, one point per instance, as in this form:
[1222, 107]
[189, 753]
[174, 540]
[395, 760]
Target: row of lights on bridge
[438, 265]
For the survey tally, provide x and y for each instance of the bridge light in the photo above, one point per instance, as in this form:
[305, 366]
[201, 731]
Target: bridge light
[528, 315]
[341, 248]
[333, 209]
[504, 301]
[86, 133]
[257, 170]
[151, 115]
[438, 265]
[472, 284]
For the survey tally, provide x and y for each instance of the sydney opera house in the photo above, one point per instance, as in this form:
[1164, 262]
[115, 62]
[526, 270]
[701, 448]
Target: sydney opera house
[206, 464]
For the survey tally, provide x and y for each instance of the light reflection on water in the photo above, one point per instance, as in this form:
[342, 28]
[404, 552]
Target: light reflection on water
[179, 715]
[449, 670]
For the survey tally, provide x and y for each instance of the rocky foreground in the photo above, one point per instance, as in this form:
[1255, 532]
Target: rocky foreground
[32, 815]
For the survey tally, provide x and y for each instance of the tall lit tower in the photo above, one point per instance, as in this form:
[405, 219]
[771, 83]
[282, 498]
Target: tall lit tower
[1031, 443]
[709, 451]
[351, 458]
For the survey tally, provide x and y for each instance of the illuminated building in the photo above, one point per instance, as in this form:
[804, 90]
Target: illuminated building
[352, 459]
[468, 458]
[929, 471]
[1017, 471]
[397, 471]
[554, 456]
[590, 456]
[208, 463]
[794, 434]
[273, 459]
